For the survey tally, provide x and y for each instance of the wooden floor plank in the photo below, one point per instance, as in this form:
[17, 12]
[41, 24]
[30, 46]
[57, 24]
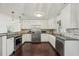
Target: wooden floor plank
[36, 49]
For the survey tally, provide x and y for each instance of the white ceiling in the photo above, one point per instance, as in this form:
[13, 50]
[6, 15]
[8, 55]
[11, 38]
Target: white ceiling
[27, 10]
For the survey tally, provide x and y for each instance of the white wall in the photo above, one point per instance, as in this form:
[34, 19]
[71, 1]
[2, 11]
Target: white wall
[0, 46]
[7, 23]
[16, 26]
[3, 23]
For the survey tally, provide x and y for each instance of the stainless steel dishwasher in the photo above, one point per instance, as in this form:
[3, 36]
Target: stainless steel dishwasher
[36, 34]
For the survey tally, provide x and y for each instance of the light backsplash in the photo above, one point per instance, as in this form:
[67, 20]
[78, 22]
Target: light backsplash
[47, 31]
[74, 31]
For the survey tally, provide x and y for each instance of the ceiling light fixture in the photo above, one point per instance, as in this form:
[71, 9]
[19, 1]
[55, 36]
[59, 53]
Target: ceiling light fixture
[39, 14]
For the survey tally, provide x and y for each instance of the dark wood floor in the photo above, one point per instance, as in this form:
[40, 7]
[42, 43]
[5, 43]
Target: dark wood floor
[36, 49]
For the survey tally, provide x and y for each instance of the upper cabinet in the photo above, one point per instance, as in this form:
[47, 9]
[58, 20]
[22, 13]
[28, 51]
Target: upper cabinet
[64, 16]
[75, 15]
[51, 23]
[69, 17]
[28, 24]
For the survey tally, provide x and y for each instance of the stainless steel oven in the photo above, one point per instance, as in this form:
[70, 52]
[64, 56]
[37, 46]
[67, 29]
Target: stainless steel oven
[60, 46]
[17, 41]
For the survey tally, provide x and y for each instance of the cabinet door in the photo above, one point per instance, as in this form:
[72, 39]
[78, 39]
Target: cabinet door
[4, 46]
[0, 46]
[52, 40]
[10, 46]
[26, 37]
[44, 37]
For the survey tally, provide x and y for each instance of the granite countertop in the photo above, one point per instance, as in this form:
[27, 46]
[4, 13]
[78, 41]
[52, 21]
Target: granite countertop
[14, 33]
[8, 34]
[66, 37]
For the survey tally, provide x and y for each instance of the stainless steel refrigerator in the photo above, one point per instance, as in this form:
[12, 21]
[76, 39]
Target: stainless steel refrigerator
[36, 34]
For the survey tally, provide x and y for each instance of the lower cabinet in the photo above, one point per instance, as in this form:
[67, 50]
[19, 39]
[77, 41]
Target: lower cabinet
[52, 40]
[44, 38]
[3, 45]
[10, 46]
[67, 47]
[48, 38]
[26, 37]
[0, 46]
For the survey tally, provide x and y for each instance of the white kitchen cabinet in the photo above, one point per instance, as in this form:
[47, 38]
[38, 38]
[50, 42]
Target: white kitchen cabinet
[65, 18]
[69, 17]
[0, 46]
[44, 37]
[10, 46]
[26, 37]
[75, 15]
[48, 38]
[52, 23]
[3, 46]
[27, 24]
[52, 40]
[71, 48]
[67, 47]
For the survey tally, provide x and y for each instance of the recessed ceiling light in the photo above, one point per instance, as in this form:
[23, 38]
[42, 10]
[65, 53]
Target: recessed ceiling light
[39, 14]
